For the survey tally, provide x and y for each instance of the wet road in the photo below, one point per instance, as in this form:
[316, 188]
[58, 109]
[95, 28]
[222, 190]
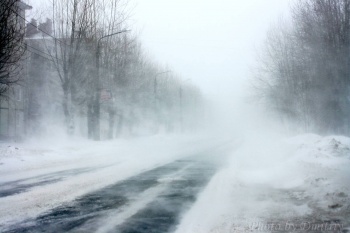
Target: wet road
[23, 185]
[152, 201]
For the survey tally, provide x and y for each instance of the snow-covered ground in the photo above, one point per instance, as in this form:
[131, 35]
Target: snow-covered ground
[268, 183]
[273, 185]
[94, 165]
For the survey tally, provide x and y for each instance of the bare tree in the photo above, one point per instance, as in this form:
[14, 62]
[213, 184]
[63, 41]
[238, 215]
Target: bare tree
[305, 71]
[74, 30]
[11, 42]
[89, 37]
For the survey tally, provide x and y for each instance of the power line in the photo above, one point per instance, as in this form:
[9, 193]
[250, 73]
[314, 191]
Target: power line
[41, 51]
[46, 58]
[41, 56]
[38, 28]
[36, 49]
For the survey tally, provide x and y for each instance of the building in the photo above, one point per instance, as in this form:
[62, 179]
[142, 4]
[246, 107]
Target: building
[43, 92]
[12, 106]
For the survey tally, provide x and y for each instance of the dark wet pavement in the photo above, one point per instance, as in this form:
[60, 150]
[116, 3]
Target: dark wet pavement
[162, 214]
[23, 185]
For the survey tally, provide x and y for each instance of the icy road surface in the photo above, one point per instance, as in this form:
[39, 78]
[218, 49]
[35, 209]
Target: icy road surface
[151, 201]
[264, 183]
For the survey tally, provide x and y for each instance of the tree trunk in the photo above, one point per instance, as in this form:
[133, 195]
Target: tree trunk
[111, 121]
[120, 125]
[65, 106]
[90, 118]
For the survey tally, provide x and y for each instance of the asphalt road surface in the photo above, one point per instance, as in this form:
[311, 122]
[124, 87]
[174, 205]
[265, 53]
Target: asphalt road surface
[153, 201]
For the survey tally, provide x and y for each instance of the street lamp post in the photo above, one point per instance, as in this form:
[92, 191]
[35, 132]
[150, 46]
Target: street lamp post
[97, 107]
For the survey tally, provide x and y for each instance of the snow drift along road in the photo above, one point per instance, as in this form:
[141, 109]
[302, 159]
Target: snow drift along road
[274, 185]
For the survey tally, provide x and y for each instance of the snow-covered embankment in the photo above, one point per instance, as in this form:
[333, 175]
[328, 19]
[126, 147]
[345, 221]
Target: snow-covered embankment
[273, 185]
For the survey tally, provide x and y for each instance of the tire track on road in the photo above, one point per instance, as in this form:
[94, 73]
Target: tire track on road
[93, 205]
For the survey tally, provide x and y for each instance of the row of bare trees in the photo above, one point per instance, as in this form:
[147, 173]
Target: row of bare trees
[304, 71]
[11, 43]
[107, 80]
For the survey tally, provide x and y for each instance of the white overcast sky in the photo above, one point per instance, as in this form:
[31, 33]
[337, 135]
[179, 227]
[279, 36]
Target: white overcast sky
[211, 42]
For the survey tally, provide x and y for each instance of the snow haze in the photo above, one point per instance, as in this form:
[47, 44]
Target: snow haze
[213, 43]
[185, 116]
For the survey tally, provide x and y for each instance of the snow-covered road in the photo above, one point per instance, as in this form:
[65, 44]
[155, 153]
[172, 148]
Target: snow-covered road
[152, 201]
[261, 183]
[146, 191]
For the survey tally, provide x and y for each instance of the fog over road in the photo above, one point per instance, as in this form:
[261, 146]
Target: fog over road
[152, 201]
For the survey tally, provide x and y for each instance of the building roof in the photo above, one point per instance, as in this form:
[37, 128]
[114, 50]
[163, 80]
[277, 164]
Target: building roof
[24, 6]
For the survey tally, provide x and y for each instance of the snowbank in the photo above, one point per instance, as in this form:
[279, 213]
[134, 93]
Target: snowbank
[271, 185]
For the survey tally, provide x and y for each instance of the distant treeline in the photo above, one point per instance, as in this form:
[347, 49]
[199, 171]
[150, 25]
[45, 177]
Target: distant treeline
[304, 70]
[106, 84]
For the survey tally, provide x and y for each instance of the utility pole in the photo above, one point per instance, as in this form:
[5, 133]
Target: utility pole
[181, 111]
[155, 87]
[181, 105]
[155, 90]
[96, 105]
